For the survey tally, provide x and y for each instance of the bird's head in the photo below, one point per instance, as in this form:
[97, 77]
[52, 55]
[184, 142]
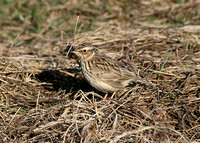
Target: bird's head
[84, 52]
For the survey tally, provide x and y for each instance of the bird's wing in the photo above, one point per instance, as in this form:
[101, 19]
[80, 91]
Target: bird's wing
[107, 69]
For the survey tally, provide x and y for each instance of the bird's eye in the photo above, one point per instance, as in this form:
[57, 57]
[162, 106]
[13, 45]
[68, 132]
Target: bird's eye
[84, 51]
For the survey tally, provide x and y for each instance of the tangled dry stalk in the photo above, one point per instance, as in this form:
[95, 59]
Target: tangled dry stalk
[44, 98]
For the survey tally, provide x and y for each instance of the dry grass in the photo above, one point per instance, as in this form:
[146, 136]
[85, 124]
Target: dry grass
[44, 98]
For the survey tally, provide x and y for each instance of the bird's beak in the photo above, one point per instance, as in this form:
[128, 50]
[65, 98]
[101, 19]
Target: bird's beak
[74, 52]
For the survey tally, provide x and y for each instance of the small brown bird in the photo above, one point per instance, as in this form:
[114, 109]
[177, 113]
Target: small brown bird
[102, 72]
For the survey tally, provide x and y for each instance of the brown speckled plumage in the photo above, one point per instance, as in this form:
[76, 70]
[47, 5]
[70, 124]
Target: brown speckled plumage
[102, 72]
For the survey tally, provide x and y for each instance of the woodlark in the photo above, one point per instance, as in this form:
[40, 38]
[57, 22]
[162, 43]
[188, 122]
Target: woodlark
[102, 72]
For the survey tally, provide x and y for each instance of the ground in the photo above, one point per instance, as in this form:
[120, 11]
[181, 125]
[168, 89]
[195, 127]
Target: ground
[44, 97]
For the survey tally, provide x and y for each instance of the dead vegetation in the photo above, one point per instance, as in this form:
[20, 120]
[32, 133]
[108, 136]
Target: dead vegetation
[44, 98]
